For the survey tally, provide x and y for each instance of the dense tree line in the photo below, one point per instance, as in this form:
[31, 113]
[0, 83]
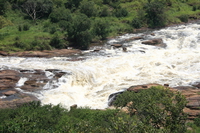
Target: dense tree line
[79, 22]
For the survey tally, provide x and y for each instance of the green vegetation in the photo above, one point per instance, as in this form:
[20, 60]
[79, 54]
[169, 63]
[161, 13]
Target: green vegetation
[153, 110]
[77, 23]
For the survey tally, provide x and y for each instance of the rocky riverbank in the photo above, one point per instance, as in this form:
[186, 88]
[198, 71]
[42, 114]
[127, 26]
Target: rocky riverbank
[44, 53]
[14, 93]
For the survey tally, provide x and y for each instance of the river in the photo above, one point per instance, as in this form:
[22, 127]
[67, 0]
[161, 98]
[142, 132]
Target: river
[89, 82]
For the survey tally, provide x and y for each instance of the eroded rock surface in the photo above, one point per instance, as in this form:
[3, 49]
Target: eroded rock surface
[44, 53]
[13, 94]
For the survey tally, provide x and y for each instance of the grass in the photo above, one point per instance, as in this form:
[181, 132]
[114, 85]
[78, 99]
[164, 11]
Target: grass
[11, 39]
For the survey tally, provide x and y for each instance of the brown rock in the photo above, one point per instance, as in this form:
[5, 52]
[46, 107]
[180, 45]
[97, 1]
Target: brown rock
[47, 53]
[3, 53]
[21, 99]
[73, 106]
[192, 95]
[137, 88]
[155, 42]
[8, 79]
[134, 38]
[191, 113]
[8, 93]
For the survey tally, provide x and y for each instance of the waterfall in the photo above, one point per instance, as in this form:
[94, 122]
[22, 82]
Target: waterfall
[112, 70]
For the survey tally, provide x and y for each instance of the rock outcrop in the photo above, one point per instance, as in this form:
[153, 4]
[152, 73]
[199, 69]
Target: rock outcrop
[8, 79]
[13, 94]
[44, 53]
[192, 95]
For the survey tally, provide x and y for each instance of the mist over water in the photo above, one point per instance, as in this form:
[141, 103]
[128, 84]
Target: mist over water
[89, 82]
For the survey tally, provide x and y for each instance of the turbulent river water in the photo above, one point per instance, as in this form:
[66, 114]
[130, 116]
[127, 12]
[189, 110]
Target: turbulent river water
[89, 82]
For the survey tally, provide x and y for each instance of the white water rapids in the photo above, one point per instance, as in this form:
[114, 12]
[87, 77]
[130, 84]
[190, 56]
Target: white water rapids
[92, 80]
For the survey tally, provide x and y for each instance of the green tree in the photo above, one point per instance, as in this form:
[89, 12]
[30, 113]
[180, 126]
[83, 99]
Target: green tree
[59, 14]
[37, 8]
[157, 107]
[79, 31]
[2, 7]
[4, 22]
[120, 12]
[155, 13]
[72, 4]
[101, 28]
[89, 8]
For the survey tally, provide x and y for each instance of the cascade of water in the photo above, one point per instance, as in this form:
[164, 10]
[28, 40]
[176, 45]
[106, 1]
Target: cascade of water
[92, 80]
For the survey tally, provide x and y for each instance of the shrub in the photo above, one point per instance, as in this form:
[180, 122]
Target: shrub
[104, 11]
[56, 42]
[26, 27]
[184, 18]
[20, 28]
[101, 28]
[52, 30]
[197, 121]
[121, 12]
[31, 117]
[157, 107]
[88, 8]
[155, 14]
[60, 14]
[72, 4]
[136, 23]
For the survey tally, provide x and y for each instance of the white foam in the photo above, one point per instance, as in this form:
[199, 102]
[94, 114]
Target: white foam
[94, 79]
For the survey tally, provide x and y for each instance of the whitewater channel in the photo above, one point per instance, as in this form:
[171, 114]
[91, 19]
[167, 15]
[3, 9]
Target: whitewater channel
[89, 82]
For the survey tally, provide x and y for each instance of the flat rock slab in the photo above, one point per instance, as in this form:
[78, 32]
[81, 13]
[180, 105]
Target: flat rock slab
[22, 98]
[8, 79]
[45, 53]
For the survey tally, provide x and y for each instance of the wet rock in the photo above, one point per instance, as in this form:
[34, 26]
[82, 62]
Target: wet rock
[8, 79]
[73, 106]
[18, 100]
[124, 49]
[97, 50]
[33, 85]
[155, 42]
[134, 38]
[196, 84]
[112, 98]
[8, 93]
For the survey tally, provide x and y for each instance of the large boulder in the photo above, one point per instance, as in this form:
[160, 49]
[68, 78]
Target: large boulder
[155, 42]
